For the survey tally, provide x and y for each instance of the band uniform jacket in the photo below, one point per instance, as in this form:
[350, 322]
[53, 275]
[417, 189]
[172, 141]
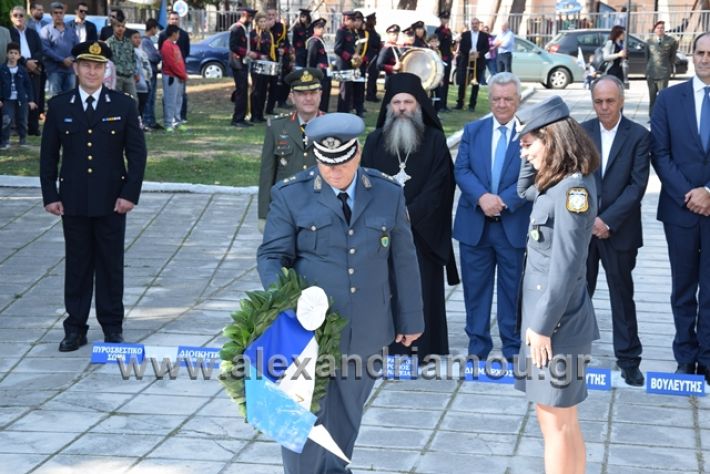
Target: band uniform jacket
[101, 160]
[344, 48]
[283, 155]
[465, 47]
[238, 45]
[555, 299]
[299, 36]
[660, 57]
[374, 44]
[360, 266]
[624, 183]
[446, 42]
[317, 56]
[388, 58]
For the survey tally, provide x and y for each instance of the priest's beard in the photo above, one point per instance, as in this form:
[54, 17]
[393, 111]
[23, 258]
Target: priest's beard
[403, 132]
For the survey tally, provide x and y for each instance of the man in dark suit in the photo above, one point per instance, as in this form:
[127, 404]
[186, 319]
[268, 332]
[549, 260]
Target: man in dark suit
[98, 133]
[683, 165]
[116, 16]
[31, 58]
[84, 29]
[491, 219]
[473, 45]
[616, 237]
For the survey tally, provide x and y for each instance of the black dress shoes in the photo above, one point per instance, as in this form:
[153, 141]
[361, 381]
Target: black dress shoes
[114, 336]
[685, 369]
[242, 124]
[72, 341]
[632, 376]
[704, 371]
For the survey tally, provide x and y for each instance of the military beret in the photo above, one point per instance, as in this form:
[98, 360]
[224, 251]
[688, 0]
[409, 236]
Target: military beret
[540, 115]
[393, 29]
[319, 23]
[96, 51]
[334, 137]
[307, 79]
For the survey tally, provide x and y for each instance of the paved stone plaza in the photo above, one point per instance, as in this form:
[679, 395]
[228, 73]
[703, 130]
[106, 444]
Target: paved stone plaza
[189, 260]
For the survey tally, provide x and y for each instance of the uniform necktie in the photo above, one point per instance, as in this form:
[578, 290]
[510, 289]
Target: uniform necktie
[501, 149]
[90, 108]
[346, 209]
[705, 120]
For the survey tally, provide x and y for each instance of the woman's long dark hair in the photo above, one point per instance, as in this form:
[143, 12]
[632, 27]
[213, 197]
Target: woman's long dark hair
[568, 150]
[616, 31]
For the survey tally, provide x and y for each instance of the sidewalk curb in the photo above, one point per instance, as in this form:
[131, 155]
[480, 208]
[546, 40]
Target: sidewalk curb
[7, 181]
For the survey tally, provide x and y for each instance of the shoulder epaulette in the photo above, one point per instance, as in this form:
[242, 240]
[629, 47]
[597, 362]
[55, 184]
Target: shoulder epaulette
[299, 177]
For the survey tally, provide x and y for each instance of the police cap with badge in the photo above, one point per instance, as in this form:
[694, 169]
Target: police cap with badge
[334, 137]
[547, 112]
[303, 80]
[96, 51]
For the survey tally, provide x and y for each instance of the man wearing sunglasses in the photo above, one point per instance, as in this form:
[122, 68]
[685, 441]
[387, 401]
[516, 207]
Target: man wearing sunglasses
[84, 29]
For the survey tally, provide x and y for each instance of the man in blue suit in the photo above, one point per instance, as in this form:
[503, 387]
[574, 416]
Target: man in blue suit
[680, 137]
[345, 229]
[491, 219]
[621, 184]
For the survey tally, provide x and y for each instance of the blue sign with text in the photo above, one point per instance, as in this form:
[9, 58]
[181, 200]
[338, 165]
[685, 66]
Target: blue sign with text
[400, 367]
[598, 379]
[198, 355]
[495, 371]
[109, 353]
[663, 383]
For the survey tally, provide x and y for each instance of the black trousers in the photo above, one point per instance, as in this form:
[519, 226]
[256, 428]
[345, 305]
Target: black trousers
[272, 85]
[504, 62]
[345, 97]
[325, 94]
[38, 83]
[445, 86]
[359, 97]
[259, 84]
[94, 251]
[372, 75]
[461, 80]
[618, 266]
[241, 90]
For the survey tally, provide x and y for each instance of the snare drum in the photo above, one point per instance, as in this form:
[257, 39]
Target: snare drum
[265, 68]
[348, 75]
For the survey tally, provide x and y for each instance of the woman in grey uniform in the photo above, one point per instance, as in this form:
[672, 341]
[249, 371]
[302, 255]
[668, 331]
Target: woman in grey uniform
[557, 319]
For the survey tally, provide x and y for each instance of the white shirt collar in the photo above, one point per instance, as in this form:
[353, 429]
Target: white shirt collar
[84, 95]
[613, 130]
[509, 126]
[698, 85]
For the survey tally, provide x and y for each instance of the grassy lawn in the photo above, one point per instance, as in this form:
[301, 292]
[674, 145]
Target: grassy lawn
[211, 151]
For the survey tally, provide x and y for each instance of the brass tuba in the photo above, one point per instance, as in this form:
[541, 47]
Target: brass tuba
[356, 61]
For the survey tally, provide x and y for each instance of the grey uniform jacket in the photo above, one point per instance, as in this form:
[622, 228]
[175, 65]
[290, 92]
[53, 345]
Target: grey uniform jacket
[282, 156]
[368, 268]
[555, 301]
[660, 57]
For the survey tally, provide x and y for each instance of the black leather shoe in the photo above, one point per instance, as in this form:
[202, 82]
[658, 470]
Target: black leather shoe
[72, 342]
[704, 371]
[685, 369]
[632, 376]
[471, 108]
[458, 107]
[114, 336]
[241, 124]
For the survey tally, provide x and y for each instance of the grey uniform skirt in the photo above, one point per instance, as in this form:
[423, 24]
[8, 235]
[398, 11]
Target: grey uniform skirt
[562, 383]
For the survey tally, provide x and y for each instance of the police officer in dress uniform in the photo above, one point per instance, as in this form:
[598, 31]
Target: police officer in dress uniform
[239, 47]
[302, 30]
[374, 46]
[345, 229]
[557, 321]
[94, 128]
[446, 42]
[286, 150]
[318, 58]
[344, 49]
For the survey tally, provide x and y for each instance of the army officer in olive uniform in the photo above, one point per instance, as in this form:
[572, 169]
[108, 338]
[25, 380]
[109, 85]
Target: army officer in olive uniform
[286, 150]
[558, 322]
[103, 157]
[345, 229]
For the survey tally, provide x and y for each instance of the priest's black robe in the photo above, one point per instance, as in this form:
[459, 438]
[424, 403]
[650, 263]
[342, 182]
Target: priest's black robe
[429, 196]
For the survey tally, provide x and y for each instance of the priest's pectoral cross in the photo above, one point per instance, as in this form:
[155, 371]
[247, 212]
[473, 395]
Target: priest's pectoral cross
[402, 177]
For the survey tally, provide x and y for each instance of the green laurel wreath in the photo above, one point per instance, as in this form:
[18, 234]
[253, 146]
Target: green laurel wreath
[258, 311]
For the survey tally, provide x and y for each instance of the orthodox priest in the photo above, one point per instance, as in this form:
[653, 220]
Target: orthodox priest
[409, 144]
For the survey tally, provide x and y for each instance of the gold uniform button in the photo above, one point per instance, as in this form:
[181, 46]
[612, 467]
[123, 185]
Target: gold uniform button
[90, 171]
[123, 178]
[353, 289]
[90, 131]
[351, 271]
[89, 157]
[305, 167]
[89, 144]
[352, 251]
[67, 132]
[113, 132]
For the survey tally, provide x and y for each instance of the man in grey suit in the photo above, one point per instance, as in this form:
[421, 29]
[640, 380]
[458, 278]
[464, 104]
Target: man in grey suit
[345, 229]
[621, 181]
[660, 57]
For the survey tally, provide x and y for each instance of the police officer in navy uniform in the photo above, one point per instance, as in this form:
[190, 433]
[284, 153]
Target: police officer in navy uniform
[239, 47]
[302, 30]
[93, 128]
[318, 58]
[344, 49]
[345, 229]
[286, 150]
[446, 42]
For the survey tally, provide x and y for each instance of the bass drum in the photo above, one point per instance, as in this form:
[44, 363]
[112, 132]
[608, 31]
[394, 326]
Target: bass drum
[424, 63]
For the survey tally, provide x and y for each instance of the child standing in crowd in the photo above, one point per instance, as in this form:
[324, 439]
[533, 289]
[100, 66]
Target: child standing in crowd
[16, 95]
[591, 73]
[143, 73]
